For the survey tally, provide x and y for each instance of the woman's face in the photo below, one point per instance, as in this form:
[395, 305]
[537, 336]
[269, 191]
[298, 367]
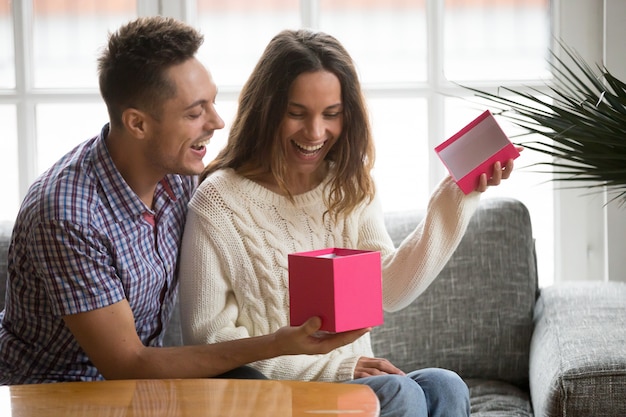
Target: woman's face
[312, 123]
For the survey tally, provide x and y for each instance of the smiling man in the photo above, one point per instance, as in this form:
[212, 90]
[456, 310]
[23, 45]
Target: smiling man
[94, 254]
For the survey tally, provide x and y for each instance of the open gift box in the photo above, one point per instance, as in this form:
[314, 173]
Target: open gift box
[474, 149]
[341, 286]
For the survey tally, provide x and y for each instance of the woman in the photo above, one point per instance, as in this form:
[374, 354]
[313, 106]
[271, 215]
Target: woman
[295, 176]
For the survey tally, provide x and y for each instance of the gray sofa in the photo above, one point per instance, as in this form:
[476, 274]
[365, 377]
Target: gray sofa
[523, 351]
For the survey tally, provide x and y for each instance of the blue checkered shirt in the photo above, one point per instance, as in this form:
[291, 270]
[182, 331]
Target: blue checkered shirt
[84, 240]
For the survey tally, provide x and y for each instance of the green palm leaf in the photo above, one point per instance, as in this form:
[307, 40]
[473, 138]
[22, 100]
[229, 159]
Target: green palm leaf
[580, 122]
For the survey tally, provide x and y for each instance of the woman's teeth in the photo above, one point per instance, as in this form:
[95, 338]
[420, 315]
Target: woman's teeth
[309, 149]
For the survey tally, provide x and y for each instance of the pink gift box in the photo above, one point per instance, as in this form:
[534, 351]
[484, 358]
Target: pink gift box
[341, 286]
[474, 149]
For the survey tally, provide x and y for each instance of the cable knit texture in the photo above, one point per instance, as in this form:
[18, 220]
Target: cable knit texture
[233, 269]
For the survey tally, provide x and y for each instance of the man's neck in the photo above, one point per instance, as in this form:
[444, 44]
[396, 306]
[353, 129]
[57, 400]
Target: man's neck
[129, 160]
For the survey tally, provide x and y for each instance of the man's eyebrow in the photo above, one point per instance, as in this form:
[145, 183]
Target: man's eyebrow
[196, 103]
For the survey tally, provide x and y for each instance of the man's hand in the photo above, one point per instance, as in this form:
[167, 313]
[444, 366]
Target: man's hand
[306, 339]
[374, 366]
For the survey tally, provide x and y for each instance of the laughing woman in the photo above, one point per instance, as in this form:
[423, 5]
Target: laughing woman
[295, 176]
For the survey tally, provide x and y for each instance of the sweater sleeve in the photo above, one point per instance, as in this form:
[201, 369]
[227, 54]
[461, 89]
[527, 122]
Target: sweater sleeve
[336, 366]
[411, 268]
[208, 307]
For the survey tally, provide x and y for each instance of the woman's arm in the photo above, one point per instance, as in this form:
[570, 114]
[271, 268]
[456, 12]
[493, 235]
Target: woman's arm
[411, 268]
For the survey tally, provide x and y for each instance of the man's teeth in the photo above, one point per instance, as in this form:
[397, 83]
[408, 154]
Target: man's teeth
[200, 145]
[310, 148]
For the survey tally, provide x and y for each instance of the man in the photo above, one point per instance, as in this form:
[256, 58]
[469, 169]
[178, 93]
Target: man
[93, 258]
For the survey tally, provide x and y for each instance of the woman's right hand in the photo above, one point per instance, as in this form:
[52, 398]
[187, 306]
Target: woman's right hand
[374, 366]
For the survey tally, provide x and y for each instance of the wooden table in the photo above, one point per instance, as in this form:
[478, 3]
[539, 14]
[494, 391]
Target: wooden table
[189, 398]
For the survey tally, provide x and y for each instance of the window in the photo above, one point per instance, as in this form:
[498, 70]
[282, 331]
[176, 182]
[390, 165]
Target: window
[49, 100]
[411, 71]
[7, 54]
[8, 167]
[412, 56]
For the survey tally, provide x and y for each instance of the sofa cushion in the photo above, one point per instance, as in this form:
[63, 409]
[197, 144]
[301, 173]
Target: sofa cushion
[570, 376]
[490, 398]
[476, 318]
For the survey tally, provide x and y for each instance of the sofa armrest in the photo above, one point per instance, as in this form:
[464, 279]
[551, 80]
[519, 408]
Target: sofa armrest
[578, 350]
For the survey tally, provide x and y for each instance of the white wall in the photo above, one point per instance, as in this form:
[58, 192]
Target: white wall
[589, 234]
[615, 60]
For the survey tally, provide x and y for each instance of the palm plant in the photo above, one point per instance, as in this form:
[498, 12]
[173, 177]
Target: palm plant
[580, 122]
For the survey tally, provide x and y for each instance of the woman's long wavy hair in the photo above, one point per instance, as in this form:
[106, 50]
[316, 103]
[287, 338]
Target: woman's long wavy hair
[254, 144]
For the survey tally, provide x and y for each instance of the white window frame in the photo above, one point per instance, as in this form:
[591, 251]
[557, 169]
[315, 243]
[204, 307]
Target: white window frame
[581, 251]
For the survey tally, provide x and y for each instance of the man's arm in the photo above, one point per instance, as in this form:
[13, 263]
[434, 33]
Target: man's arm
[109, 338]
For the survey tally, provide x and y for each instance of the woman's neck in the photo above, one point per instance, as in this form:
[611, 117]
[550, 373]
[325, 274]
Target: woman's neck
[296, 184]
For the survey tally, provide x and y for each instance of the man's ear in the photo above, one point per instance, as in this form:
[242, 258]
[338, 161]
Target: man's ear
[135, 121]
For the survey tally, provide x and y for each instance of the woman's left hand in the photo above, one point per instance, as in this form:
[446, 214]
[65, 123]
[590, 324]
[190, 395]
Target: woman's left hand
[499, 173]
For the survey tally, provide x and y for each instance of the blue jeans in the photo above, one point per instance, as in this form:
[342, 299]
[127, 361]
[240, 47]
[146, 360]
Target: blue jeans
[430, 392]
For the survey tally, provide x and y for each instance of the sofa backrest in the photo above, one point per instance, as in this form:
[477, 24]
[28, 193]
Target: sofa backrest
[476, 318]
[5, 239]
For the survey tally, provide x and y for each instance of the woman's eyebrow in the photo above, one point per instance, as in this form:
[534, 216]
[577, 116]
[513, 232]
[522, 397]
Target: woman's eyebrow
[302, 106]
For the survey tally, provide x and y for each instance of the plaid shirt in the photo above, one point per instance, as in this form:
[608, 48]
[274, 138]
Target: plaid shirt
[84, 240]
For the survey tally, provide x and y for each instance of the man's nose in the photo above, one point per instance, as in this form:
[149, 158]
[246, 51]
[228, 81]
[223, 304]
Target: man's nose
[213, 120]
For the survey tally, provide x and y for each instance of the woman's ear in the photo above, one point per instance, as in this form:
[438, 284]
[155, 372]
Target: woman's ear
[135, 122]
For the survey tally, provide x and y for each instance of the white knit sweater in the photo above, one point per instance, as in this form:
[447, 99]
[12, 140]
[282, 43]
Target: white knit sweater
[233, 267]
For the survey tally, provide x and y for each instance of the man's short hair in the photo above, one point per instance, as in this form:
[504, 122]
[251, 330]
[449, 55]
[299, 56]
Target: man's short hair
[132, 68]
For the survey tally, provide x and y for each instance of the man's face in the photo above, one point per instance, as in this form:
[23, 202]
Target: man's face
[186, 122]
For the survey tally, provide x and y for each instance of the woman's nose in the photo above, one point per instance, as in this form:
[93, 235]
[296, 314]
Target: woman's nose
[316, 129]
